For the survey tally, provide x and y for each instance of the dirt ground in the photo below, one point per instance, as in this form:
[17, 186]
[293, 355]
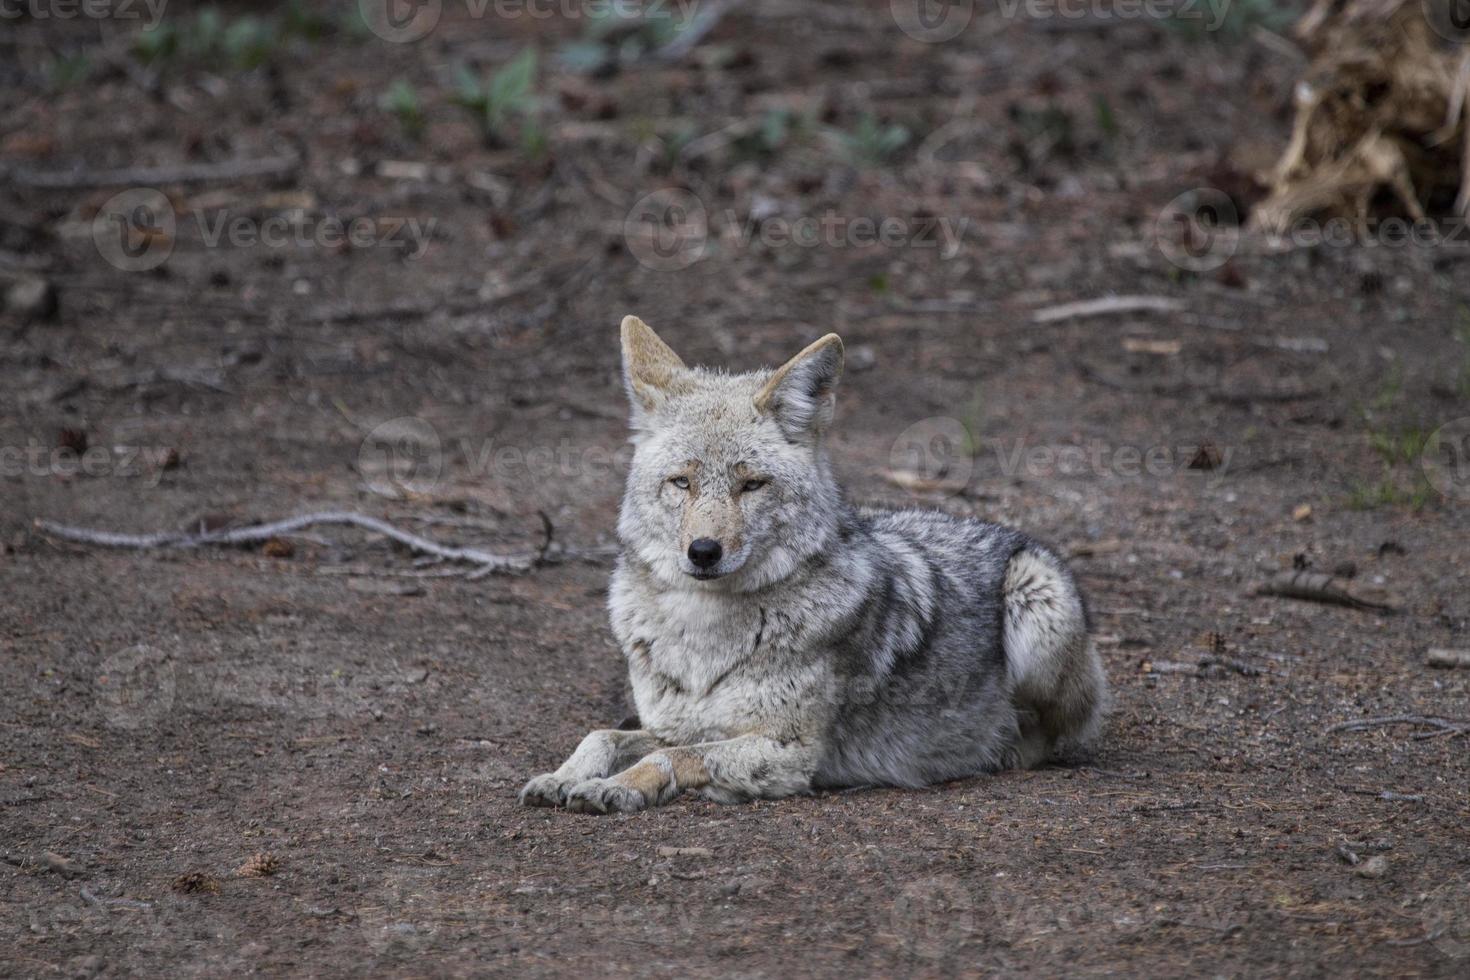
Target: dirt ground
[171, 714]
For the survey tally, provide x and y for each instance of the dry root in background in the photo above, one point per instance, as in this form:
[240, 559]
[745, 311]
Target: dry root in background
[1382, 108]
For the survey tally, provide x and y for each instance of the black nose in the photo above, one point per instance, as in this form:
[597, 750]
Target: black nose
[705, 552]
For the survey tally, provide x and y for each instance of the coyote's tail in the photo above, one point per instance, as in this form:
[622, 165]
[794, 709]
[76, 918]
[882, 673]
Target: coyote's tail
[1058, 684]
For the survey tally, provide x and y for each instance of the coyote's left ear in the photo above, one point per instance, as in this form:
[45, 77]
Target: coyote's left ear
[802, 394]
[651, 370]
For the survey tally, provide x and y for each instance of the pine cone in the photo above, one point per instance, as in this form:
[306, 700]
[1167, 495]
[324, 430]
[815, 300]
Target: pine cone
[259, 866]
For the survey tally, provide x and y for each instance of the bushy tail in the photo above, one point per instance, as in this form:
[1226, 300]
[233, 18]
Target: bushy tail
[1060, 690]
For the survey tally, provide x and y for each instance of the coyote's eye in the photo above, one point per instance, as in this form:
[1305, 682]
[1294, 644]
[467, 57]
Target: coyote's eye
[750, 485]
[682, 482]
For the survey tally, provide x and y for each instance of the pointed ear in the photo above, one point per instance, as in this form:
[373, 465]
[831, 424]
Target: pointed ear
[651, 370]
[802, 394]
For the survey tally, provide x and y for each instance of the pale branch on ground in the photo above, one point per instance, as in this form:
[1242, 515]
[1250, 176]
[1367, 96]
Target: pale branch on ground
[1321, 587]
[1448, 658]
[1441, 726]
[1107, 306]
[484, 562]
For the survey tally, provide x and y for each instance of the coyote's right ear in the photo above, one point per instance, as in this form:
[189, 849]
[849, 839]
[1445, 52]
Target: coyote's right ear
[800, 395]
[651, 370]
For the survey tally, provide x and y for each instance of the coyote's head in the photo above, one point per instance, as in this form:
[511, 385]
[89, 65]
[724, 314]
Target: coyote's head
[729, 486]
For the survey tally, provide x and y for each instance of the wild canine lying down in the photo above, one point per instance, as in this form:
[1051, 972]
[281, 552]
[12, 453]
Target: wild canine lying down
[779, 640]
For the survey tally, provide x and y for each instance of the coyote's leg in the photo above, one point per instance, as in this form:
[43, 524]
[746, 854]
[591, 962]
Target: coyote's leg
[1060, 688]
[601, 753]
[728, 771]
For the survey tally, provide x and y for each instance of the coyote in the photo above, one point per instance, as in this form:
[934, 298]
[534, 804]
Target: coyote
[780, 640]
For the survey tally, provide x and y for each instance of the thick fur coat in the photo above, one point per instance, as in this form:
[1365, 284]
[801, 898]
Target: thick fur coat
[779, 640]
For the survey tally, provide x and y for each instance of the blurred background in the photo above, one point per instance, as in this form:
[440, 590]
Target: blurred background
[1182, 286]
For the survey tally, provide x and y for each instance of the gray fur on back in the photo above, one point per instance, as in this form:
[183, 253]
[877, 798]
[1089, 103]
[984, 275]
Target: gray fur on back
[923, 663]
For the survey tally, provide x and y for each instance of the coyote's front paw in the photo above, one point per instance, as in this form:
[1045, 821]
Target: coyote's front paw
[605, 796]
[547, 789]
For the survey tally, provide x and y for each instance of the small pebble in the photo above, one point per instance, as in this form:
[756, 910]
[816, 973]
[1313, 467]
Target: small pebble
[31, 298]
[1375, 867]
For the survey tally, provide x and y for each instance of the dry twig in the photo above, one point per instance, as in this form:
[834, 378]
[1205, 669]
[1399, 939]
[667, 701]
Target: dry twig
[485, 562]
[1105, 306]
[1448, 658]
[1441, 726]
[1320, 587]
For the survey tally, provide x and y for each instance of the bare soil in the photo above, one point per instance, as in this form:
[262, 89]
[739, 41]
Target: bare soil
[170, 714]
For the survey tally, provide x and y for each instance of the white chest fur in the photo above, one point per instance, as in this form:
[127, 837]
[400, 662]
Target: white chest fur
[702, 663]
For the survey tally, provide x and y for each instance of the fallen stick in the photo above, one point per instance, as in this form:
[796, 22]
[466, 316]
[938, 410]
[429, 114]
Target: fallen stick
[189, 173]
[121, 903]
[1230, 663]
[1169, 667]
[1383, 794]
[485, 561]
[1107, 306]
[1442, 726]
[1318, 587]
[1448, 658]
[1393, 797]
